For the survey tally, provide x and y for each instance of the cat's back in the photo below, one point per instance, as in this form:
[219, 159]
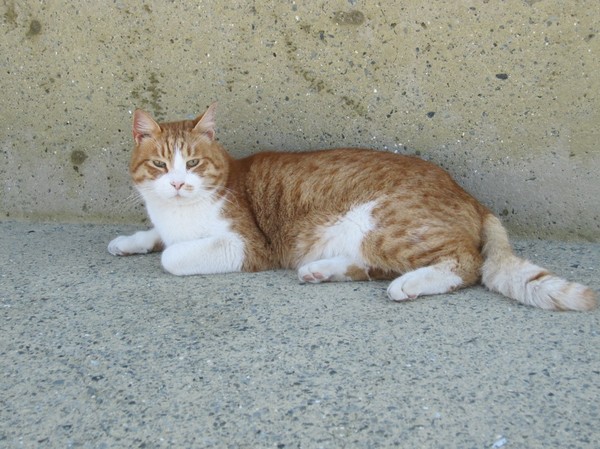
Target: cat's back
[340, 173]
[335, 160]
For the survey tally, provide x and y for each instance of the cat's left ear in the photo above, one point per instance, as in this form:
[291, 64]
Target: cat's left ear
[143, 126]
[206, 124]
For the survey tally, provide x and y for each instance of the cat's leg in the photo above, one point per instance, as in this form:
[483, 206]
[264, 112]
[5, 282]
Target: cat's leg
[431, 280]
[141, 242]
[333, 269]
[222, 254]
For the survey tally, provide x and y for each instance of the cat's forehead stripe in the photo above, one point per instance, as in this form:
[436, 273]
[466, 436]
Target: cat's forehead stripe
[179, 144]
[177, 158]
[172, 146]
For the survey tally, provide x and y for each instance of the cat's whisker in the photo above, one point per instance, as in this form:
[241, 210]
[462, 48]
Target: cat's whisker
[230, 195]
[223, 192]
[132, 200]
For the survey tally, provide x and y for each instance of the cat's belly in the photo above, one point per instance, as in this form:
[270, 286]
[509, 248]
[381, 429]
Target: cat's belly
[343, 237]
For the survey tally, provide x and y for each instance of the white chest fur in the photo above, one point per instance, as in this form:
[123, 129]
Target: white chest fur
[198, 239]
[179, 221]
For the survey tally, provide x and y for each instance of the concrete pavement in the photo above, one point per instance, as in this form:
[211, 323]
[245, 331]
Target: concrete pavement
[104, 352]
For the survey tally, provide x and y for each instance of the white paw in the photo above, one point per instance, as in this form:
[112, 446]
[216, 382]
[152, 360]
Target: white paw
[324, 270]
[141, 242]
[423, 281]
[209, 255]
[125, 245]
[308, 273]
[120, 246]
[405, 287]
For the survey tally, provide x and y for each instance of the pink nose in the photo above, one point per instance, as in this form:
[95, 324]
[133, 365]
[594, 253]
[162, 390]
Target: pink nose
[177, 184]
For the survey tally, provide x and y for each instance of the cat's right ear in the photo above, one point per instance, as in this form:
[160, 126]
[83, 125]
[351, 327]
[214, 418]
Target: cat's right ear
[143, 126]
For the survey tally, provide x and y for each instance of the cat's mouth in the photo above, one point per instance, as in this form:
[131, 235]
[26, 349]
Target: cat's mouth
[181, 196]
[180, 193]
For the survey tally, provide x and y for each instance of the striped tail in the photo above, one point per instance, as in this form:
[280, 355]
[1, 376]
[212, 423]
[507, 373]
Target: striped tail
[519, 279]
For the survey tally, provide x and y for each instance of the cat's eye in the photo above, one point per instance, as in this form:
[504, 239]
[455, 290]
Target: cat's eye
[159, 164]
[192, 163]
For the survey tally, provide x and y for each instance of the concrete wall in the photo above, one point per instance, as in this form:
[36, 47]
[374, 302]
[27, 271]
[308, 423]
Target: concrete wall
[504, 94]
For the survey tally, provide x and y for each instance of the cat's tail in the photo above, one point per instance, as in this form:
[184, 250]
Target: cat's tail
[519, 279]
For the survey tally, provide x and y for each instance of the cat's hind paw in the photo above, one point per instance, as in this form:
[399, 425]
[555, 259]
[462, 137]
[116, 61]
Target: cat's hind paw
[325, 270]
[430, 280]
[313, 277]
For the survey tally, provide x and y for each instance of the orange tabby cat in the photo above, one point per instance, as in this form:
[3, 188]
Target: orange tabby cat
[334, 215]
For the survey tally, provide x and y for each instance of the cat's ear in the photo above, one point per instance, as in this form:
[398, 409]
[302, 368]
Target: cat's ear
[143, 126]
[206, 123]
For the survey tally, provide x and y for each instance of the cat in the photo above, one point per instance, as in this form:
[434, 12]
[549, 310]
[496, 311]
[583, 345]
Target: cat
[333, 215]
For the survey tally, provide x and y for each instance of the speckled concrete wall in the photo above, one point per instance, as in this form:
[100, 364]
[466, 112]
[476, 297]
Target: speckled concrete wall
[504, 94]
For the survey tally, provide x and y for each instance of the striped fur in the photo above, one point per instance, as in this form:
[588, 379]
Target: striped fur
[333, 215]
[520, 279]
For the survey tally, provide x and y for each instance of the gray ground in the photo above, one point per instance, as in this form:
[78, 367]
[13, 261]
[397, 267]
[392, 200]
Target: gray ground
[102, 352]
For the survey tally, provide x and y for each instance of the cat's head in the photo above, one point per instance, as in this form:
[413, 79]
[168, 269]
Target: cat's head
[178, 161]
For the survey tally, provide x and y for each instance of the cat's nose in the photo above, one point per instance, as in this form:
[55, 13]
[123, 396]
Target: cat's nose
[177, 184]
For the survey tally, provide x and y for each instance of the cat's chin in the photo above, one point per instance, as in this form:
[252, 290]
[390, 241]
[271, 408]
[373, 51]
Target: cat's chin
[171, 194]
[178, 198]
[185, 199]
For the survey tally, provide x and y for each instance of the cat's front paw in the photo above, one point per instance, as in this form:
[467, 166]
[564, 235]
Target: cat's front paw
[141, 242]
[121, 246]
